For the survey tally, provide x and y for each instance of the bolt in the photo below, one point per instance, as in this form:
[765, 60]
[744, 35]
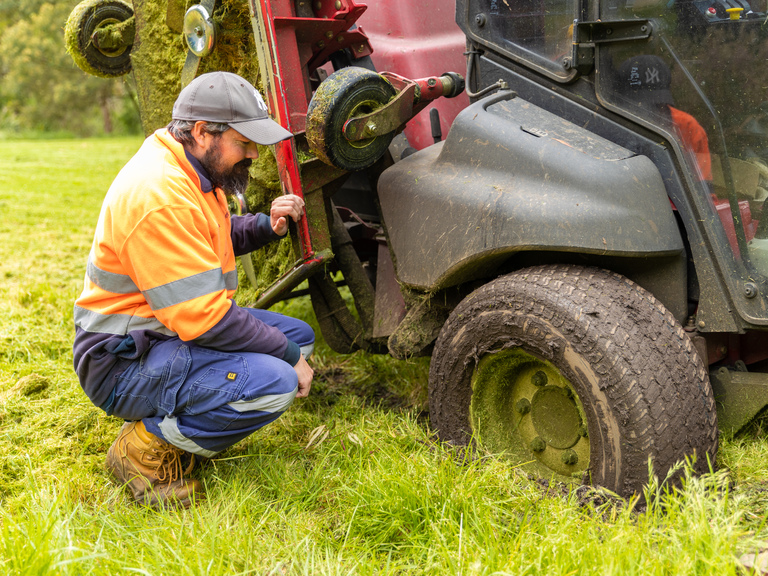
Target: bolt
[608, 31]
[370, 129]
[537, 444]
[724, 350]
[199, 31]
[480, 20]
[643, 28]
[329, 34]
[321, 44]
[318, 5]
[569, 457]
[340, 39]
[539, 379]
[431, 82]
[360, 48]
[750, 290]
[523, 406]
[702, 324]
[338, 4]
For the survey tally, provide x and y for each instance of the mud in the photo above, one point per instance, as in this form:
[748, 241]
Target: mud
[650, 400]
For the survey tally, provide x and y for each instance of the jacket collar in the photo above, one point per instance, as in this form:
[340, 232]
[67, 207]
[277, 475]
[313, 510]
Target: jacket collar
[202, 173]
[188, 163]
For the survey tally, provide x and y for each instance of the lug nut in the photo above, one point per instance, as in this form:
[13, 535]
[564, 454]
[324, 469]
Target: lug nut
[569, 457]
[539, 379]
[523, 406]
[537, 444]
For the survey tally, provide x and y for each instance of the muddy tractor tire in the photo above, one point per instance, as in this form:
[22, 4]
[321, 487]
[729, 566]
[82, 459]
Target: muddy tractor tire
[576, 373]
[347, 93]
[86, 19]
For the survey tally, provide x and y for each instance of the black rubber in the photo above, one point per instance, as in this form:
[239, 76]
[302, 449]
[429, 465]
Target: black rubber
[643, 387]
[85, 19]
[342, 332]
[347, 93]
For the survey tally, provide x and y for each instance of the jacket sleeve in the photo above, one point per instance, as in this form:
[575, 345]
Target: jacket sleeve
[239, 331]
[169, 257]
[250, 232]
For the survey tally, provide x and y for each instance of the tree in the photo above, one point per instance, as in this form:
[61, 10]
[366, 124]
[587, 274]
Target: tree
[42, 89]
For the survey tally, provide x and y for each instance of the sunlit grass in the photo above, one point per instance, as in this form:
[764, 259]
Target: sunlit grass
[370, 492]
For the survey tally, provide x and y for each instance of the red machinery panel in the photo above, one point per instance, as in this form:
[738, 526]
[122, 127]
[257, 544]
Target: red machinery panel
[418, 39]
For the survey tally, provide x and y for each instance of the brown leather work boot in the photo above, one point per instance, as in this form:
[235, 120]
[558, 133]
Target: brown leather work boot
[152, 468]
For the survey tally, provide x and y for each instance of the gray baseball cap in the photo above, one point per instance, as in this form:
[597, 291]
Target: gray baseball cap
[227, 98]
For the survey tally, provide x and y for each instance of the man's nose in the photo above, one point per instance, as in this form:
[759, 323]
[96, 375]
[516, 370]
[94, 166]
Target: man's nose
[252, 151]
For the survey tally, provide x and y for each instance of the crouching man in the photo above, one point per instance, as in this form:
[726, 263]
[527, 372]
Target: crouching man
[159, 341]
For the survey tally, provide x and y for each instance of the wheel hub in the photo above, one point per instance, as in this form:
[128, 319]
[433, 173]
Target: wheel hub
[556, 417]
[523, 406]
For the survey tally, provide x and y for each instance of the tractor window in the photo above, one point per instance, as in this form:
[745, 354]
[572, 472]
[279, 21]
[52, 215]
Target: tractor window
[700, 83]
[539, 30]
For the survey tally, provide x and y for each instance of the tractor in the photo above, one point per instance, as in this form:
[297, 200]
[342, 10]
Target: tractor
[568, 218]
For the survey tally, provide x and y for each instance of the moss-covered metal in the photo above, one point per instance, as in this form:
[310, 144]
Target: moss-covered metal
[100, 48]
[115, 37]
[522, 405]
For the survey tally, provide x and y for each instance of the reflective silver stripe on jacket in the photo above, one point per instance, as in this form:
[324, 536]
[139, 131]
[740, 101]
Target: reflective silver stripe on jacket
[169, 294]
[189, 288]
[120, 324]
[110, 281]
[271, 403]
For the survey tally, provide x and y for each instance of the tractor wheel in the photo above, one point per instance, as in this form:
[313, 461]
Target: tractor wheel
[576, 373]
[88, 17]
[347, 93]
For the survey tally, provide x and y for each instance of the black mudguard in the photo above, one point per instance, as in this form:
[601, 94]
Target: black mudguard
[512, 177]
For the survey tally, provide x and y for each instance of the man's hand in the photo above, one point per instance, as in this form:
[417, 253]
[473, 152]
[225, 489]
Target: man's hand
[305, 374]
[284, 207]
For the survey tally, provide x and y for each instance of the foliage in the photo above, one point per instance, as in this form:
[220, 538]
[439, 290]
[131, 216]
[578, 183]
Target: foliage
[42, 89]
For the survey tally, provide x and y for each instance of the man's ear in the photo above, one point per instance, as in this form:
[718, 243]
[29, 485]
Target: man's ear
[200, 135]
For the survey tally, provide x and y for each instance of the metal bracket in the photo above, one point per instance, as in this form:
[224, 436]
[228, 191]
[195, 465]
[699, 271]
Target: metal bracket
[740, 396]
[412, 96]
[587, 35]
[115, 37]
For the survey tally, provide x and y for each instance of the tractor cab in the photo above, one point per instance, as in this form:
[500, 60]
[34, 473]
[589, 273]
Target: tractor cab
[681, 82]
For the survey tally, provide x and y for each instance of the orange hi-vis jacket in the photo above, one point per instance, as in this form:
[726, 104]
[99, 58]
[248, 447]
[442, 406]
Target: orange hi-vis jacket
[127, 287]
[694, 139]
[162, 265]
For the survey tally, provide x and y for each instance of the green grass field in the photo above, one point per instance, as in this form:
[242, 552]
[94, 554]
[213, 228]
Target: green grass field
[349, 481]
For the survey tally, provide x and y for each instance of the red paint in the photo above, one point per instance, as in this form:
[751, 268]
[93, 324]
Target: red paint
[415, 40]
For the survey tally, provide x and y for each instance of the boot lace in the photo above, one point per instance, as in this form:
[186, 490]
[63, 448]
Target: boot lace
[170, 468]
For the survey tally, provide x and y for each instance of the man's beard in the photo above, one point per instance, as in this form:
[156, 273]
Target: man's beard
[232, 180]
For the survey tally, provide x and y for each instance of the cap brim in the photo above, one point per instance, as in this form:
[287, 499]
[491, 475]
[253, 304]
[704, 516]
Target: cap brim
[262, 131]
